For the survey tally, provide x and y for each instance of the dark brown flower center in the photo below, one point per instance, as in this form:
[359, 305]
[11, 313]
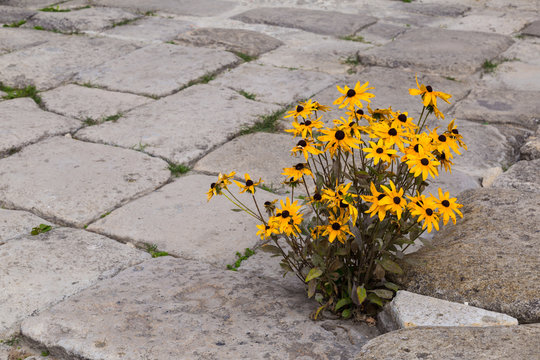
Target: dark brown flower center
[445, 203]
[299, 108]
[340, 135]
[416, 148]
[397, 200]
[424, 162]
[360, 112]
[380, 196]
[429, 88]
[443, 156]
[351, 93]
[285, 214]
[429, 212]
[402, 118]
[302, 143]
[351, 124]
[379, 150]
[307, 123]
[317, 197]
[336, 226]
[249, 183]
[455, 131]
[267, 227]
[343, 204]
[442, 138]
[392, 132]
[267, 203]
[212, 185]
[299, 166]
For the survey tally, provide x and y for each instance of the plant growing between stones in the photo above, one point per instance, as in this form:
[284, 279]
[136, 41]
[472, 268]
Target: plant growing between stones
[15, 24]
[14, 93]
[178, 169]
[267, 123]
[247, 95]
[356, 38]
[42, 228]
[153, 250]
[489, 66]
[364, 179]
[245, 57]
[54, 9]
[247, 254]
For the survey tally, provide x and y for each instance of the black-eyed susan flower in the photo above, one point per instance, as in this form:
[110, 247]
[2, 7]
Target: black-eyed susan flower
[270, 206]
[353, 97]
[288, 217]
[394, 200]
[265, 231]
[454, 134]
[337, 228]
[423, 164]
[404, 120]
[297, 171]
[306, 147]
[426, 211]
[447, 206]
[320, 107]
[379, 152]
[443, 143]
[390, 135]
[222, 182]
[446, 163]
[335, 197]
[418, 143]
[348, 126]
[375, 200]
[301, 110]
[305, 127]
[429, 97]
[338, 139]
[214, 190]
[248, 186]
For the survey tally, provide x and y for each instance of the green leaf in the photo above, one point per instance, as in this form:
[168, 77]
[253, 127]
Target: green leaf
[271, 249]
[383, 293]
[391, 266]
[342, 302]
[373, 298]
[312, 286]
[236, 210]
[34, 231]
[285, 266]
[313, 274]
[361, 293]
[341, 251]
[346, 314]
[391, 286]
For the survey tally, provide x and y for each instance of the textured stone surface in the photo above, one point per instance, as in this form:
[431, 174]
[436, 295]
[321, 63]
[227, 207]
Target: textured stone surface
[150, 29]
[261, 155]
[447, 52]
[487, 21]
[157, 70]
[200, 313]
[179, 127]
[409, 310]
[455, 343]
[39, 271]
[23, 123]
[433, 9]
[523, 175]
[30, 4]
[176, 219]
[247, 42]
[74, 182]
[274, 85]
[91, 19]
[532, 29]
[531, 149]
[490, 176]
[50, 64]
[184, 7]
[520, 108]
[319, 22]
[455, 182]
[17, 39]
[82, 102]
[309, 51]
[14, 223]
[10, 14]
[381, 32]
[489, 259]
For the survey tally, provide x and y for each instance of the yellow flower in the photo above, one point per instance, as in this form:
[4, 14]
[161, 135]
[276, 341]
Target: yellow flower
[348, 126]
[265, 231]
[337, 138]
[375, 198]
[419, 143]
[352, 97]
[426, 211]
[305, 127]
[454, 134]
[445, 162]
[319, 107]
[220, 184]
[337, 228]
[443, 143]
[379, 152]
[429, 96]
[301, 110]
[423, 164]
[394, 199]
[287, 218]
[447, 206]
[296, 172]
[249, 185]
[334, 198]
[390, 134]
[405, 121]
[306, 147]
[214, 190]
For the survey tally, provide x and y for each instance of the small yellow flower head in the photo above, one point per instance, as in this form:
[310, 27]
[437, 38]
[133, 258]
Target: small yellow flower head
[249, 185]
[221, 184]
[390, 134]
[306, 147]
[301, 110]
[270, 207]
[337, 228]
[354, 97]
[214, 190]
[319, 107]
[265, 231]
[351, 127]
[447, 206]
[379, 152]
[426, 211]
[424, 164]
[288, 218]
[305, 127]
[429, 97]
[375, 198]
[296, 172]
[338, 139]
[394, 199]
[404, 120]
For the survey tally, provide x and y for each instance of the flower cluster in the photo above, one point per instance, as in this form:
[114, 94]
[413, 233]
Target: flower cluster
[362, 181]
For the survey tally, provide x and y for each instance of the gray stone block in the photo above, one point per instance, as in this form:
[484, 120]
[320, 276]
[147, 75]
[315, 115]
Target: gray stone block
[14, 223]
[532, 29]
[523, 175]
[150, 29]
[184, 7]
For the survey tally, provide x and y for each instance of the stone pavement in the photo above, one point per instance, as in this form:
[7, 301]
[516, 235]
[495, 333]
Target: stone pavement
[132, 91]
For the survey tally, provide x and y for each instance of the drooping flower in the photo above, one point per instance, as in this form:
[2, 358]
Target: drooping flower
[429, 97]
[265, 231]
[249, 185]
[353, 97]
[221, 184]
[306, 147]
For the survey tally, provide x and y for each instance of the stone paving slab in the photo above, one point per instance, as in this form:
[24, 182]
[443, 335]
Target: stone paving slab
[447, 52]
[315, 52]
[29, 4]
[533, 29]
[531, 149]
[185, 7]
[455, 182]
[489, 259]
[176, 218]
[248, 42]
[523, 175]
[519, 108]
[10, 14]
[39, 271]
[90, 19]
[274, 85]
[89, 103]
[49, 65]
[316, 21]
[24, 123]
[381, 32]
[150, 29]
[14, 223]
[18, 39]
[181, 309]
[455, 343]
[157, 70]
[261, 155]
[74, 182]
[408, 310]
[184, 126]
[487, 21]
[432, 9]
